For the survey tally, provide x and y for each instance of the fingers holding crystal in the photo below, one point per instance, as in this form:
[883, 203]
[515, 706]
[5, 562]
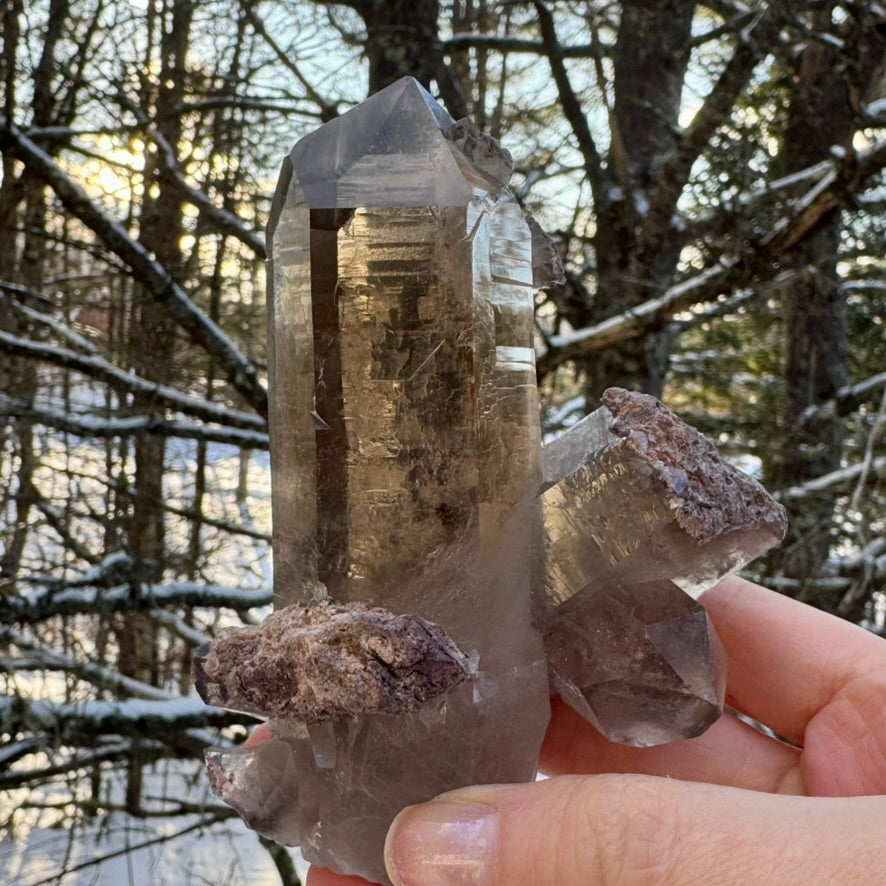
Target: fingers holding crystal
[787, 661]
[633, 829]
[729, 753]
[813, 678]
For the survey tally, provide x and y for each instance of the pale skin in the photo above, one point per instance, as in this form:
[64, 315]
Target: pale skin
[730, 807]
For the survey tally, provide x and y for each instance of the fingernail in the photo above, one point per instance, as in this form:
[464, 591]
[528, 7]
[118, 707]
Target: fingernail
[442, 844]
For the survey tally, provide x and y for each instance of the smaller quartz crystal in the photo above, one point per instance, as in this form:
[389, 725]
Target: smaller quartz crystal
[642, 663]
[641, 516]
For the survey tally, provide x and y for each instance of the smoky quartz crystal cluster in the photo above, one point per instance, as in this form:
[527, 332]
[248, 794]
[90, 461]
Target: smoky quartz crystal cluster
[438, 571]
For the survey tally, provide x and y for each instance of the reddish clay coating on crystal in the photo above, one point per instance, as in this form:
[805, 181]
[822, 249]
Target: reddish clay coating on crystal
[708, 496]
[321, 661]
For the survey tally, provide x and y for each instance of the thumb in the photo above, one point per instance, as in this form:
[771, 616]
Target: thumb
[633, 829]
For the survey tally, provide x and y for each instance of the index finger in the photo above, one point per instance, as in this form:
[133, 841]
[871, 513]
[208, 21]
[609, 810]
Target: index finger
[787, 661]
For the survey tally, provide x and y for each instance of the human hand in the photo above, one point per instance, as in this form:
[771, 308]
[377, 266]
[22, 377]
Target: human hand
[730, 807]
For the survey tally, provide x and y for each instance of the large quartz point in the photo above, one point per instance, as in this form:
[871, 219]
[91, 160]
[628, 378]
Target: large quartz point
[641, 516]
[406, 463]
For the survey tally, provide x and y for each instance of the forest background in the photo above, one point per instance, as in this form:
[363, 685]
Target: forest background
[712, 173]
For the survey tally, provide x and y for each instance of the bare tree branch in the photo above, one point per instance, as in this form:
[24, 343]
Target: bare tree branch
[328, 110]
[164, 838]
[240, 372]
[99, 368]
[572, 108]
[503, 44]
[753, 44]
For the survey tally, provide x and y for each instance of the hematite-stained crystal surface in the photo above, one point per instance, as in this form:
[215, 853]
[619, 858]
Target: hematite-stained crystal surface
[432, 576]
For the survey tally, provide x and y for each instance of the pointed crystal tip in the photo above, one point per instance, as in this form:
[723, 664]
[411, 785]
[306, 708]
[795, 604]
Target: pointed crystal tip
[389, 150]
[647, 668]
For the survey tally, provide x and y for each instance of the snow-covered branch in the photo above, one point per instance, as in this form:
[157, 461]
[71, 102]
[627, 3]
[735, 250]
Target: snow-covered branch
[177, 625]
[90, 426]
[99, 749]
[64, 332]
[835, 482]
[703, 287]
[846, 400]
[731, 273]
[97, 367]
[828, 193]
[852, 576]
[223, 221]
[103, 751]
[46, 603]
[134, 716]
[94, 673]
[720, 221]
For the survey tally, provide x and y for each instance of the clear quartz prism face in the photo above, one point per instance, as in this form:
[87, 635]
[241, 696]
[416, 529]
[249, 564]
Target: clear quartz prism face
[435, 571]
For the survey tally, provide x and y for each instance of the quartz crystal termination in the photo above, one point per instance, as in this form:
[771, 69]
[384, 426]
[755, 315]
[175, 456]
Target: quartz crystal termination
[406, 462]
[641, 516]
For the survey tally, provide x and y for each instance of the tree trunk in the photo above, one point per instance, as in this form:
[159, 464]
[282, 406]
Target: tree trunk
[827, 87]
[24, 203]
[651, 55]
[153, 351]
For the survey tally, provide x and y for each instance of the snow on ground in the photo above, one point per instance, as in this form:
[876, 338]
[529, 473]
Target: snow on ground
[118, 850]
